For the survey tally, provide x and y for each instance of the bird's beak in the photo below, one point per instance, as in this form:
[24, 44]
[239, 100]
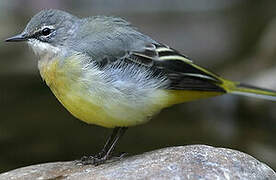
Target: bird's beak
[17, 38]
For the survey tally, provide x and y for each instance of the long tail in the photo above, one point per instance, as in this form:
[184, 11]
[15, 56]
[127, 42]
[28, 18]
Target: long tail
[248, 90]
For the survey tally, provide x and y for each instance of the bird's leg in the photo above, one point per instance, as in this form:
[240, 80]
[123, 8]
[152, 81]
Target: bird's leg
[112, 146]
[106, 152]
[108, 143]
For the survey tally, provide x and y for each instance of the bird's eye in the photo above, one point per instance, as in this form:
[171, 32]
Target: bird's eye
[46, 31]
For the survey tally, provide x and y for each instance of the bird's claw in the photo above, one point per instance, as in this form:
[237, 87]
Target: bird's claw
[92, 160]
[99, 159]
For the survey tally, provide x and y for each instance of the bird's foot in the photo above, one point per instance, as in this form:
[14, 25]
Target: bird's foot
[120, 155]
[93, 160]
[99, 159]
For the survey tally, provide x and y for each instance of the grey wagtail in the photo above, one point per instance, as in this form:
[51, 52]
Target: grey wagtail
[105, 72]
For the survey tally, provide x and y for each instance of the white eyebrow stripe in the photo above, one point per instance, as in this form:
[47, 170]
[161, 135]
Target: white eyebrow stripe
[47, 26]
[42, 27]
[161, 49]
[174, 57]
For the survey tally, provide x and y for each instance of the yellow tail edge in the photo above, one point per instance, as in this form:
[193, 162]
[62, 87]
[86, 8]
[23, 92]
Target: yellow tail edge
[248, 90]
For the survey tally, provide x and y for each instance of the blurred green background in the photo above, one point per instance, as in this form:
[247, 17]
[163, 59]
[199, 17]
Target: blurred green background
[236, 39]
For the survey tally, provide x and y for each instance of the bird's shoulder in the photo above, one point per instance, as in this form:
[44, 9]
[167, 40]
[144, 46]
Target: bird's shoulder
[105, 36]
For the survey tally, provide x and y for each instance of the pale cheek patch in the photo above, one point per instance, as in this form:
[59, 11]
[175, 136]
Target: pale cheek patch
[42, 48]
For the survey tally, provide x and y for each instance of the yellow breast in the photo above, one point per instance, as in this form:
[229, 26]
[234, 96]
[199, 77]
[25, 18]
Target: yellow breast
[64, 79]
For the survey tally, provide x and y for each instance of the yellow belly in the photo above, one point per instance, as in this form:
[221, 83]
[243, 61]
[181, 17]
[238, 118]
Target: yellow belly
[64, 82]
[95, 108]
[70, 93]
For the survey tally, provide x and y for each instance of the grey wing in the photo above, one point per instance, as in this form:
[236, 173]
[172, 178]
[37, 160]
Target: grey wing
[113, 42]
[181, 73]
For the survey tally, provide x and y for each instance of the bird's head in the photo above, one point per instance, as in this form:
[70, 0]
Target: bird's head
[48, 31]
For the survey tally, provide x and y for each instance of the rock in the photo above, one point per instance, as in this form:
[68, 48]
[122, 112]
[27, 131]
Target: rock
[183, 162]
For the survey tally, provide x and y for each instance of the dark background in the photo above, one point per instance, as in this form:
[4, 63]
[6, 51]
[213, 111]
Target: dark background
[236, 39]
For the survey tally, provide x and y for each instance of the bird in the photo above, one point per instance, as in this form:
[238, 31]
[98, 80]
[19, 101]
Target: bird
[106, 72]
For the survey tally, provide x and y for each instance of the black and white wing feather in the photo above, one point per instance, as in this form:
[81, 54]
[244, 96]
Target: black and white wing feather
[182, 73]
